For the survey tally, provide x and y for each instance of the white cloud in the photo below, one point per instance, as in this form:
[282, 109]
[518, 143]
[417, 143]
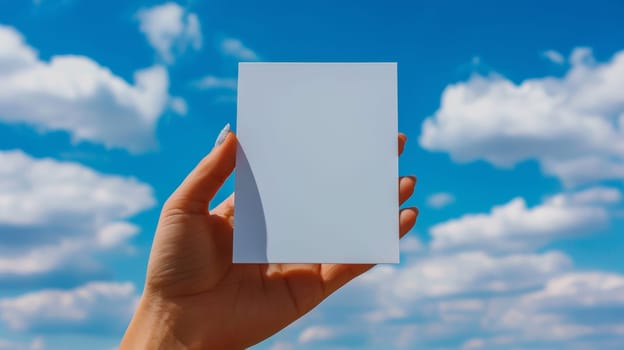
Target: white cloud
[35, 190]
[38, 258]
[516, 227]
[316, 333]
[571, 125]
[170, 30]
[213, 82]
[75, 94]
[440, 200]
[235, 48]
[553, 56]
[96, 307]
[115, 233]
[52, 211]
[471, 272]
[14, 54]
[442, 287]
[571, 306]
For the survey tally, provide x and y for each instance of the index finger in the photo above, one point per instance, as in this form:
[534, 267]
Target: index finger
[195, 192]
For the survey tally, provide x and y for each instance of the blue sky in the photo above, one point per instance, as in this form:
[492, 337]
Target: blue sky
[515, 115]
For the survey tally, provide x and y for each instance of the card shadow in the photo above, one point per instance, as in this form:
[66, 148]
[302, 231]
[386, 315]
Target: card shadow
[250, 236]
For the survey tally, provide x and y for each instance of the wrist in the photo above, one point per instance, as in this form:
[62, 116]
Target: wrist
[150, 328]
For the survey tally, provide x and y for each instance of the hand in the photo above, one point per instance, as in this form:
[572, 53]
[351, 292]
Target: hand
[196, 298]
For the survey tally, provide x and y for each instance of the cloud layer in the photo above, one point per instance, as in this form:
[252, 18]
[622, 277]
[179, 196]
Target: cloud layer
[480, 283]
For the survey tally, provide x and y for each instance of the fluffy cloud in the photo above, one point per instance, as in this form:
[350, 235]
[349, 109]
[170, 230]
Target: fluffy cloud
[52, 212]
[75, 94]
[96, 307]
[516, 227]
[234, 48]
[446, 282]
[38, 191]
[440, 200]
[572, 125]
[592, 298]
[170, 30]
[574, 305]
[467, 273]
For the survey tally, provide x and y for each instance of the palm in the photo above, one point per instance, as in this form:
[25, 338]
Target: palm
[237, 305]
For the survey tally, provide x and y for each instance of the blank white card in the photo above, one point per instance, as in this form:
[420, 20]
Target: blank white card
[316, 168]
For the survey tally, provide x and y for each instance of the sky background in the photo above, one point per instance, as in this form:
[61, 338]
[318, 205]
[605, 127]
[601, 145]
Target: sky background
[515, 119]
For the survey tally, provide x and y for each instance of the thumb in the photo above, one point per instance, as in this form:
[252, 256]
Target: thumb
[201, 184]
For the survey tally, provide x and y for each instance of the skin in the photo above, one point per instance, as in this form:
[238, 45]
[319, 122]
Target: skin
[196, 298]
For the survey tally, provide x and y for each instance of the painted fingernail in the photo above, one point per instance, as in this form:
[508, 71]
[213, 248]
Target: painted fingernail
[222, 135]
[412, 209]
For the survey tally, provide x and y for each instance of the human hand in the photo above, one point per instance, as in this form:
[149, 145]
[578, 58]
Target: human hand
[196, 298]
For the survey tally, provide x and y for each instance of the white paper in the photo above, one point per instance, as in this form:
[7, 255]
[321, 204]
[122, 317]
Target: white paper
[316, 169]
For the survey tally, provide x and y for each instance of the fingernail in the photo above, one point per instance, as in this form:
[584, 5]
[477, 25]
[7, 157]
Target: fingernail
[414, 209]
[222, 135]
[413, 177]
